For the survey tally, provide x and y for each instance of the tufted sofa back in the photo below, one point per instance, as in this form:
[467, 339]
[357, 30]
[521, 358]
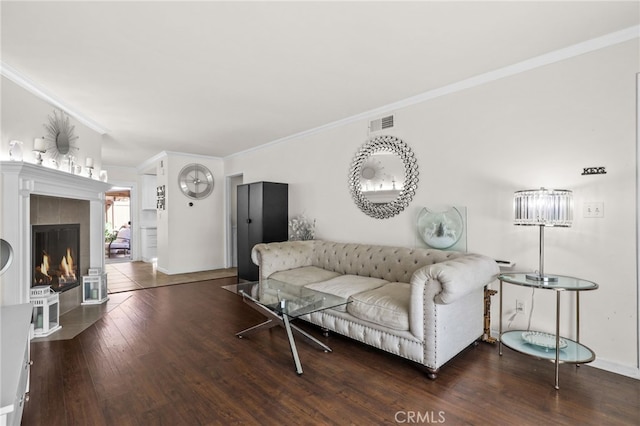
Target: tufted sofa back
[395, 264]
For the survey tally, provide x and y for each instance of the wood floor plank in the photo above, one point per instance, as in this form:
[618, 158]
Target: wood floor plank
[169, 355]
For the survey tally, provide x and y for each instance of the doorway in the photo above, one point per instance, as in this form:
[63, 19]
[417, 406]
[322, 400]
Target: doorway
[232, 183]
[117, 235]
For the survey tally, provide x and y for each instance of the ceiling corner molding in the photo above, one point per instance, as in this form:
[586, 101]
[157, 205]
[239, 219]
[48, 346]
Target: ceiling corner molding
[34, 88]
[150, 163]
[552, 57]
[559, 55]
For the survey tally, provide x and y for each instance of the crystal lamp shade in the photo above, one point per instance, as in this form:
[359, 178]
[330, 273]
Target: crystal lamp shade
[543, 207]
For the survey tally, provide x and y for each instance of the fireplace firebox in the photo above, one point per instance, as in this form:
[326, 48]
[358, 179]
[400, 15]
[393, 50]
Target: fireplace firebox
[56, 256]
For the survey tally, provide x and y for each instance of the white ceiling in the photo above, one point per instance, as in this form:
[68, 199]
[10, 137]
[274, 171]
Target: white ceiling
[217, 78]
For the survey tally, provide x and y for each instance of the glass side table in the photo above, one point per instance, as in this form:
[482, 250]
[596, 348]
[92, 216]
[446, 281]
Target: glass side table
[540, 345]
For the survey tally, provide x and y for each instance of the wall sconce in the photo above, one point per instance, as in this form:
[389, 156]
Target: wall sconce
[543, 207]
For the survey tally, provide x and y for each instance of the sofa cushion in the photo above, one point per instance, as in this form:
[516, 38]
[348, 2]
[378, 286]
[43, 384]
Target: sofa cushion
[347, 285]
[387, 306]
[304, 275]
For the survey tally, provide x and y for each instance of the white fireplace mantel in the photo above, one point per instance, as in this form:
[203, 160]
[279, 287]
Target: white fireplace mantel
[18, 182]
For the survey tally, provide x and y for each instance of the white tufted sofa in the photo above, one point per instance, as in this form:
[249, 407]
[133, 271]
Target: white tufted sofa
[421, 304]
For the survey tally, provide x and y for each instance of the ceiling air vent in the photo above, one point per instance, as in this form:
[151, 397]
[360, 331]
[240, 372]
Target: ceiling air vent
[381, 124]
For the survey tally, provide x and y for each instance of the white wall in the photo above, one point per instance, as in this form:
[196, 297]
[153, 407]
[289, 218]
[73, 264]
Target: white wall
[190, 238]
[474, 149]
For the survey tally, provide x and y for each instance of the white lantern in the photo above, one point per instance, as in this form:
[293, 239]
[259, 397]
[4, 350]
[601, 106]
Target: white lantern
[94, 288]
[46, 310]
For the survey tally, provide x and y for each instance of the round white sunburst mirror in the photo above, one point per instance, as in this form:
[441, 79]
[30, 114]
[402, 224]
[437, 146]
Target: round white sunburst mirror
[60, 138]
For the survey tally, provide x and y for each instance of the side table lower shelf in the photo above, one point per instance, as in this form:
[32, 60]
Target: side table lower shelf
[573, 353]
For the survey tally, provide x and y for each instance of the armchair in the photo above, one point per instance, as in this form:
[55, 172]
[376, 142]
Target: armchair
[121, 243]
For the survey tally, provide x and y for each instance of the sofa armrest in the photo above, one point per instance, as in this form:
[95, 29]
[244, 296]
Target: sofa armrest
[458, 277]
[444, 283]
[275, 257]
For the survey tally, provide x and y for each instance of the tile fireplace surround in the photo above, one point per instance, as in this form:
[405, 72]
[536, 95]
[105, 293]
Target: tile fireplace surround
[18, 182]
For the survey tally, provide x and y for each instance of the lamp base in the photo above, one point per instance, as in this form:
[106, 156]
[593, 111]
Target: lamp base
[543, 278]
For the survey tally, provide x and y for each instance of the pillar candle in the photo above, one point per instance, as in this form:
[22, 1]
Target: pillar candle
[38, 144]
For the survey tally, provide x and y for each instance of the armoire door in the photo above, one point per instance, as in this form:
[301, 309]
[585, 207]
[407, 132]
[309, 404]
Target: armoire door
[262, 218]
[244, 256]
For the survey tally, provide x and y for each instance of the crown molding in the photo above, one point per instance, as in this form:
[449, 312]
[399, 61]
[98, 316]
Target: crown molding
[569, 52]
[39, 91]
[151, 162]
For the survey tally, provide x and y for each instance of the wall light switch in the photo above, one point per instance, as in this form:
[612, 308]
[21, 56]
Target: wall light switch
[594, 209]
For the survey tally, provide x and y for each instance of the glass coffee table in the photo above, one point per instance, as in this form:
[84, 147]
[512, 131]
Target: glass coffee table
[281, 303]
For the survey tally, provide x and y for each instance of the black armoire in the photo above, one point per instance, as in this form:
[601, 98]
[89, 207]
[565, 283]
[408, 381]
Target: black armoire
[263, 209]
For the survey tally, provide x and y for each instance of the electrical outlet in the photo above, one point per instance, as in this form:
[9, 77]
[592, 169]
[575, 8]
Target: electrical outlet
[595, 209]
[521, 306]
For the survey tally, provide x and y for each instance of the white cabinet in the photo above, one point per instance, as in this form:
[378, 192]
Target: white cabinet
[149, 239]
[15, 325]
[148, 196]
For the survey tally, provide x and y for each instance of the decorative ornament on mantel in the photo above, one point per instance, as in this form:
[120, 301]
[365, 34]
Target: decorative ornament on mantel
[88, 163]
[60, 139]
[15, 150]
[38, 150]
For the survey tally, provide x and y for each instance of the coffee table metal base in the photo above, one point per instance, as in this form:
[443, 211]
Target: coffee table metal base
[275, 320]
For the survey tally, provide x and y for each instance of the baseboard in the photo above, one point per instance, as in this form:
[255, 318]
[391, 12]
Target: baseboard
[613, 367]
[188, 271]
[603, 364]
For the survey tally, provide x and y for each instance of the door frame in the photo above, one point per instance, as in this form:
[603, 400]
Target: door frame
[637, 221]
[229, 234]
[134, 253]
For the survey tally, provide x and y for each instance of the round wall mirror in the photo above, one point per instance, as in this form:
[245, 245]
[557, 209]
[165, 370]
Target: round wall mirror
[383, 177]
[6, 255]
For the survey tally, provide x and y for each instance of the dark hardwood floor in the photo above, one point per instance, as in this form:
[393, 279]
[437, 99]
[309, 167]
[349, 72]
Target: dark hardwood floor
[168, 355]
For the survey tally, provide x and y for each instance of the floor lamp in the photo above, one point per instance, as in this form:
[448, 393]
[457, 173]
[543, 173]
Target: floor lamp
[543, 207]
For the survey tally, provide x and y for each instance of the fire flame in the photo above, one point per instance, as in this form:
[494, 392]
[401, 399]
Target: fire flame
[44, 266]
[70, 261]
[67, 269]
[65, 273]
